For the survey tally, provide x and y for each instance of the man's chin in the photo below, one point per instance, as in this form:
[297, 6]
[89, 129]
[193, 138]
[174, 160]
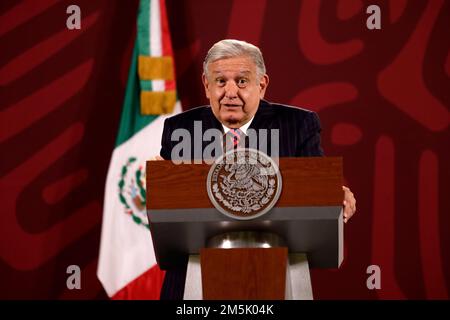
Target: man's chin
[231, 120]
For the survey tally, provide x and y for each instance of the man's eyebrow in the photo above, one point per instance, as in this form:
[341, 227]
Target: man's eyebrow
[245, 72]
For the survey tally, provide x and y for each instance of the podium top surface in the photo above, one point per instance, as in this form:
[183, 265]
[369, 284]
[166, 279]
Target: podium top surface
[314, 181]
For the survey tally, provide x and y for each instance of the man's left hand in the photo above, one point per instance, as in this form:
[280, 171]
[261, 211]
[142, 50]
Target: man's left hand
[349, 204]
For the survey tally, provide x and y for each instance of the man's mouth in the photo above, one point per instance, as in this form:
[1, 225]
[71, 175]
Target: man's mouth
[228, 105]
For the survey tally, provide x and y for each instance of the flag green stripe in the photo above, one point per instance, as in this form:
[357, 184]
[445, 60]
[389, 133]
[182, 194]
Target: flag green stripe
[146, 85]
[143, 26]
[132, 120]
[143, 36]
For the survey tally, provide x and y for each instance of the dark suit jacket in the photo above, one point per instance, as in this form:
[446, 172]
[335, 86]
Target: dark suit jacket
[299, 136]
[299, 129]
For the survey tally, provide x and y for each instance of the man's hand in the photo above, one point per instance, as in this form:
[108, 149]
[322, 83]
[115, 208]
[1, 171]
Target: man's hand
[349, 204]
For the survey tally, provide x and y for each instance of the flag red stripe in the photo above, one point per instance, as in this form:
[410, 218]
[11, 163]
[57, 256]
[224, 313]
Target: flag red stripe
[166, 42]
[145, 287]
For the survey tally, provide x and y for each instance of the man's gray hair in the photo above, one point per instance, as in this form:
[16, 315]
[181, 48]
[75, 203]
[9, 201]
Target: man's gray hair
[231, 48]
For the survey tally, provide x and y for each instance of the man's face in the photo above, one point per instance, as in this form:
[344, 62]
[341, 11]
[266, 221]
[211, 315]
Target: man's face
[234, 90]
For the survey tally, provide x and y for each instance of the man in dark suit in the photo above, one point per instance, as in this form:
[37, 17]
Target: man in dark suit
[235, 81]
[298, 129]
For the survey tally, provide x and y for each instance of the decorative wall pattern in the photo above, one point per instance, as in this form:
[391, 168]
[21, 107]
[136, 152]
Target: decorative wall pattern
[382, 96]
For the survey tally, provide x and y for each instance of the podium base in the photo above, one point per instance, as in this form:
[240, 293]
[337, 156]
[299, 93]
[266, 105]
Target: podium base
[298, 280]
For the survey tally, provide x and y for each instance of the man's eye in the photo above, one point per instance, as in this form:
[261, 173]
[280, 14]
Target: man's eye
[242, 82]
[220, 81]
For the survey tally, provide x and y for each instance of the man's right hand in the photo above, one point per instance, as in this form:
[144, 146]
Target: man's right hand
[158, 157]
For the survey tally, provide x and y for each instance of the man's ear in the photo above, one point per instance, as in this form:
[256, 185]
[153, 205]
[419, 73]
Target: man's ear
[263, 83]
[205, 85]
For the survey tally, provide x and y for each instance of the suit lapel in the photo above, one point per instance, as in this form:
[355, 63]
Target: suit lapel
[209, 121]
[264, 117]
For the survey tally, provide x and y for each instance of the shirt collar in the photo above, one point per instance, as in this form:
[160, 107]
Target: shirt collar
[243, 128]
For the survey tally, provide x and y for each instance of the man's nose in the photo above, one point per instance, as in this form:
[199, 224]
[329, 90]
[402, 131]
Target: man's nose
[231, 90]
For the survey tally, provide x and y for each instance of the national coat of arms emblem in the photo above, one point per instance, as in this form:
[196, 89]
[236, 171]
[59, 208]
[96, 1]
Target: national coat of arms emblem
[244, 184]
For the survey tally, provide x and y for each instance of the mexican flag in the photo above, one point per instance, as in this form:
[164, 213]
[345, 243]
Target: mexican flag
[127, 265]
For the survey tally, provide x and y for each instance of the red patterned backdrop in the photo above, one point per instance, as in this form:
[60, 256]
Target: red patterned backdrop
[382, 96]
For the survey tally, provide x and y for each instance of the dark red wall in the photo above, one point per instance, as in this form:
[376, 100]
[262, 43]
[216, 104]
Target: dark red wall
[382, 96]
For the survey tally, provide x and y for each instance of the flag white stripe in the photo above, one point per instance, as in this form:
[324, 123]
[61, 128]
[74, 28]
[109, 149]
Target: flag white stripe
[156, 39]
[155, 29]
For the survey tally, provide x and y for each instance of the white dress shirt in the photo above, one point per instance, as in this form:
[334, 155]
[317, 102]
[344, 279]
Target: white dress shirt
[243, 128]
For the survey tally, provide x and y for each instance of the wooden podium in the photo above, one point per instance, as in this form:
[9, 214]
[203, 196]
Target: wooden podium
[305, 222]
